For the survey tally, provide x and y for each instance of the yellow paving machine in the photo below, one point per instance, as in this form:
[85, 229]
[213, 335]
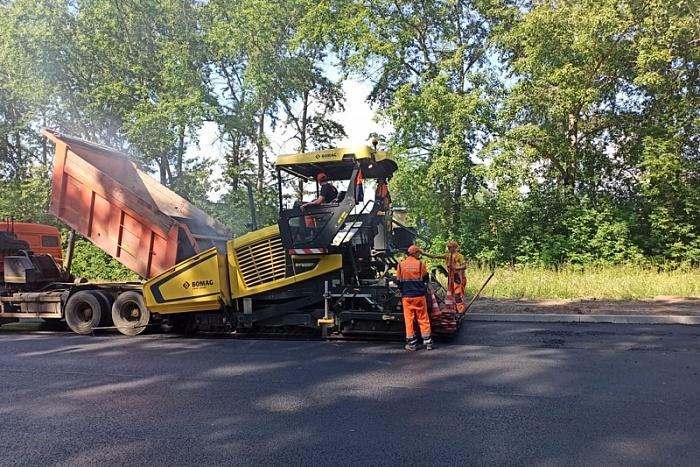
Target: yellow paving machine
[327, 267]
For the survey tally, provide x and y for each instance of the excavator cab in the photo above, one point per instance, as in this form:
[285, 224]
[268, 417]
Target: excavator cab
[347, 220]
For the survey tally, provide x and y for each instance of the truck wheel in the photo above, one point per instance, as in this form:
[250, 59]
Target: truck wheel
[83, 311]
[130, 314]
[106, 303]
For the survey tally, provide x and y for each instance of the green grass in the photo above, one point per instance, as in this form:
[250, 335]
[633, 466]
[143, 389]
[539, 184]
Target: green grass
[609, 282]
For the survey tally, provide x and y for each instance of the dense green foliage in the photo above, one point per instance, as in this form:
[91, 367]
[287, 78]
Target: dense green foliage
[541, 132]
[92, 263]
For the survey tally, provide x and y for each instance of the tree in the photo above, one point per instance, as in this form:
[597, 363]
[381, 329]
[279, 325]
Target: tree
[428, 65]
[309, 99]
[146, 67]
[603, 104]
[543, 132]
[260, 84]
[32, 37]
[248, 40]
[668, 69]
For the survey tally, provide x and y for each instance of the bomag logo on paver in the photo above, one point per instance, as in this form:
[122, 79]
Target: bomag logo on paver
[326, 155]
[198, 284]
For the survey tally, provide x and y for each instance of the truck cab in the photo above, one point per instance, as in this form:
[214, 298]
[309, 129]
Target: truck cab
[40, 239]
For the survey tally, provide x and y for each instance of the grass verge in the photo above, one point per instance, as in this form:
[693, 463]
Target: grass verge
[607, 283]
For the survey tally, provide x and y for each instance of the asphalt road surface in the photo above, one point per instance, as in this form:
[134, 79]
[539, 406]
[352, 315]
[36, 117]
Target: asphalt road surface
[500, 394]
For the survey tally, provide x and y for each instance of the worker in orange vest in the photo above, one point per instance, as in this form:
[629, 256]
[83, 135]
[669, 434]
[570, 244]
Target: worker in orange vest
[411, 274]
[381, 195]
[455, 264]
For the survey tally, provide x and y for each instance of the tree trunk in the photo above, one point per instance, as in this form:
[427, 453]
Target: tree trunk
[44, 147]
[180, 149]
[302, 137]
[169, 175]
[162, 166]
[572, 134]
[18, 152]
[235, 160]
[261, 150]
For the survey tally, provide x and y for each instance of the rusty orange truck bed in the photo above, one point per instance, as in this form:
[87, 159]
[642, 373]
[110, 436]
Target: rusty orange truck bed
[102, 195]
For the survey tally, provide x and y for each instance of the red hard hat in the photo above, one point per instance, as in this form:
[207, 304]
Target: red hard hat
[452, 244]
[321, 177]
[414, 250]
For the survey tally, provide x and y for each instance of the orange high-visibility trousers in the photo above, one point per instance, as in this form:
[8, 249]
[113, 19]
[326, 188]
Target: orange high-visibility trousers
[415, 308]
[456, 286]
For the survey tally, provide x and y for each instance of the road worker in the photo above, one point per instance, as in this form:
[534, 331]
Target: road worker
[412, 274]
[381, 195]
[327, 193]
[455, 264]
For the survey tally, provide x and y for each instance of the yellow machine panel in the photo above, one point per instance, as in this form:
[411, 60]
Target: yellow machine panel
[338, 163]
[254, 263]
[257, 263]
[199, 283]
[332, 155]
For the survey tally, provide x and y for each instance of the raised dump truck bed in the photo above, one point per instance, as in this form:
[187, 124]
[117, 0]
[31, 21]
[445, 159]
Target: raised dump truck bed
[102, 195]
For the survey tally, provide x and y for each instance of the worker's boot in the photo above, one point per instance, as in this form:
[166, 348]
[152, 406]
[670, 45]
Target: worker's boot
[411, 343]
[428, 343]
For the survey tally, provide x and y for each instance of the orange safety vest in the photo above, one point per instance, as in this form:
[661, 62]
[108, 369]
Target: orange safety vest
[359, 187]
[452, 260]
[382, 193]
[410, 273]
[455, 283]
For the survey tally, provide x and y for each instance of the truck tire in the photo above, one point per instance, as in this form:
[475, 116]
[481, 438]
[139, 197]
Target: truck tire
[83, 311]
[130, 314]
[106, 302]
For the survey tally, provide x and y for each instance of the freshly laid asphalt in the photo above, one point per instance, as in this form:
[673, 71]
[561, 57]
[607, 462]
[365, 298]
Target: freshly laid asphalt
[498, 394]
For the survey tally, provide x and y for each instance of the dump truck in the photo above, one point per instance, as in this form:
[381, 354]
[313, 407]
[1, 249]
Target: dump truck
[328, 268]
[103, 196]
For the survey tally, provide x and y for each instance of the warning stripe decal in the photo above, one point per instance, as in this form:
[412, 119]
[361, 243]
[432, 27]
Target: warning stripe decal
[307, 251]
